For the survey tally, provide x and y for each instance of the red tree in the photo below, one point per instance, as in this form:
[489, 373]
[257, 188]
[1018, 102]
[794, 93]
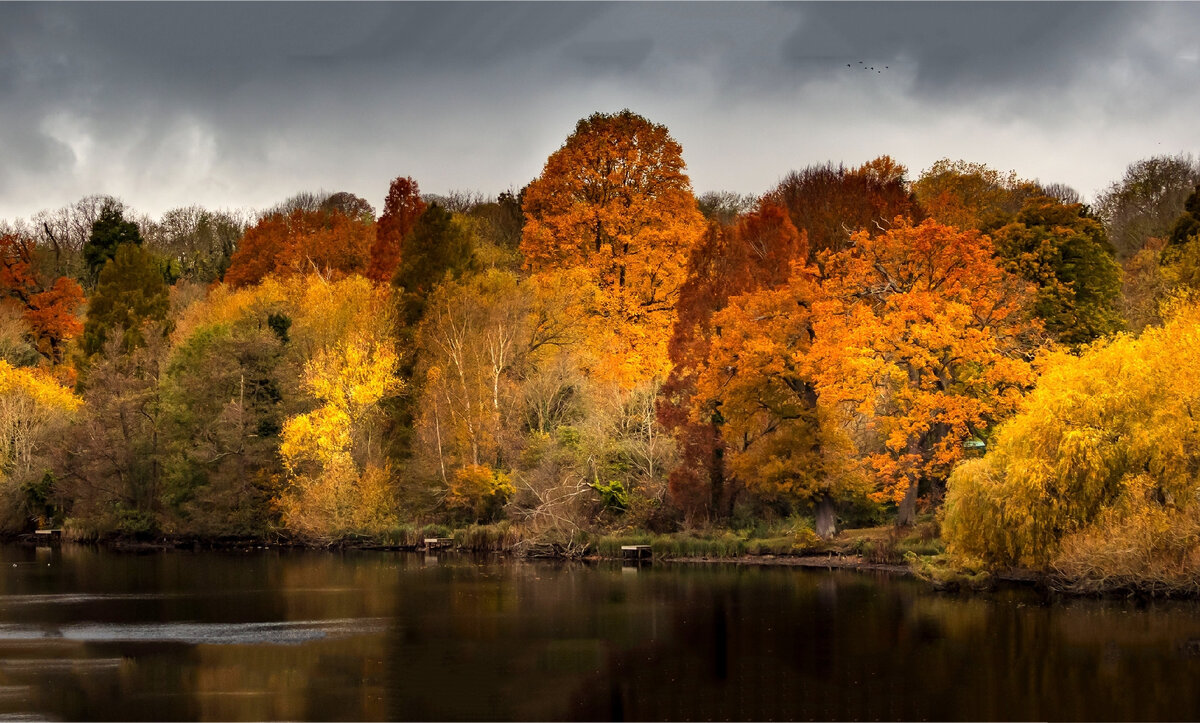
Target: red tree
[400, 213]
[48, 307]
[755, 252]
[830, 202]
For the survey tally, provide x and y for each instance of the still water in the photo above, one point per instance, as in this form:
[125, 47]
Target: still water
[269, 635]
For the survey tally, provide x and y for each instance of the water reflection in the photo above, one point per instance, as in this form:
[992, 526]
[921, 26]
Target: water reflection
[269, 635]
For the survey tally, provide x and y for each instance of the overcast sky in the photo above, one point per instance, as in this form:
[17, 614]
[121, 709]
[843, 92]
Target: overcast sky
[234, 105]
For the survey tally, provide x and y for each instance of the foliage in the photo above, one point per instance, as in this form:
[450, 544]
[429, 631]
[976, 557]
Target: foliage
[130, 293]
[760, 379]
[1063, 251]
[615, 201]
[401, 209]
[47, 307]
[480, 491]
[335, 483]
[755, 252]
[325, 241]
[32, 408]
[1105, 441]
[920, 333]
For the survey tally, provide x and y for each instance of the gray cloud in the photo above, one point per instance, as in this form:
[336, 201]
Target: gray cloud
[242, 104]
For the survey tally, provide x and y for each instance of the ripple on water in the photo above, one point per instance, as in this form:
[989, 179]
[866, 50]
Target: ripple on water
[291, 632]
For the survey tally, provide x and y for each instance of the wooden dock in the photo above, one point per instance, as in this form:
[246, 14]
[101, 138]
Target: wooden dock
[438, 543]
[635, 552]
[46, 536]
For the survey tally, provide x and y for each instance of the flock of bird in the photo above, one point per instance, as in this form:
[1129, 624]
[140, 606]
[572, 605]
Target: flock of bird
[866, 67]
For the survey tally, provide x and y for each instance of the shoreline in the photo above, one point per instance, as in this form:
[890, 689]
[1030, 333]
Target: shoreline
[827, 561]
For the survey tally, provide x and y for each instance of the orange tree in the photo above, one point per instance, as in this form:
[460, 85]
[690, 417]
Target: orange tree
[922, 334]
[325, 241]
[616, 201]
[401, 209]
[47, 307]
[759, 385]
[754, 252]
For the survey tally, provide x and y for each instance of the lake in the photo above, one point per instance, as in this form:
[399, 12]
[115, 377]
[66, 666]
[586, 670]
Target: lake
[270, 634]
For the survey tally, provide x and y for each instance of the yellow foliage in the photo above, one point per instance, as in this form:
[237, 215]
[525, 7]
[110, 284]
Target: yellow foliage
[334, 485]
[1106, 438]
[480, 490]
[30, 402]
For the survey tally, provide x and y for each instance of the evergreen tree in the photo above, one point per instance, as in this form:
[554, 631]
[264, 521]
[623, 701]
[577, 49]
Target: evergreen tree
[108, 233]
[130, 292]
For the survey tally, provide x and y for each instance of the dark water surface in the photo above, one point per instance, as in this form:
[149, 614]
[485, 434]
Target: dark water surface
[268, 635]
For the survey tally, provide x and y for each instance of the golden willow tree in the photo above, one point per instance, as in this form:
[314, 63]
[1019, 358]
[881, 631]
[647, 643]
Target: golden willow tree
[1097, 476]
[616, 201]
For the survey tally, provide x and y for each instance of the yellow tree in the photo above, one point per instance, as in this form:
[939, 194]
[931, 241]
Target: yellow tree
[1097, 474]
[31, 404]
[333, 485]
[921, 332]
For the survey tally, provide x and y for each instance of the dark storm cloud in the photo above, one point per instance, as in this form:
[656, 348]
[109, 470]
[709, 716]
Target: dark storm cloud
[955, 48]
[242, 104]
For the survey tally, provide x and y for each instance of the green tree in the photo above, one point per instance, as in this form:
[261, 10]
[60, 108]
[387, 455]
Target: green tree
[130, 292]
[109, 232]
[439, 244]
[1064, 251]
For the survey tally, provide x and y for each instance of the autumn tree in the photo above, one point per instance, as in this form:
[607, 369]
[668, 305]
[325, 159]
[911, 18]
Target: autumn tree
[1064, 252]
[401, 209]
[1096, 476]
[47, 307]
[760, 380]
[972, 195]
[756, 252]
[921, 333]
[130, 293]
[829, 203]
[615, 200]
[335, 484]
[109, 232]
[325, 241]
[32, 406]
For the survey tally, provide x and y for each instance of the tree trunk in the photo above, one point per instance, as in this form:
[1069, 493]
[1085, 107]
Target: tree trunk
[826, 520]
[907, 512]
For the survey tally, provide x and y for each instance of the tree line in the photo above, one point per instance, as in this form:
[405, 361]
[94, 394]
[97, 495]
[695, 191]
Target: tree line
[604, 350]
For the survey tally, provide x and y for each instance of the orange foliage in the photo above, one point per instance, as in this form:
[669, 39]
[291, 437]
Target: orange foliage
[756, 252]
[921, 332]
[325, 241]
[401, 210]
[48, 308]
[615, 199]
